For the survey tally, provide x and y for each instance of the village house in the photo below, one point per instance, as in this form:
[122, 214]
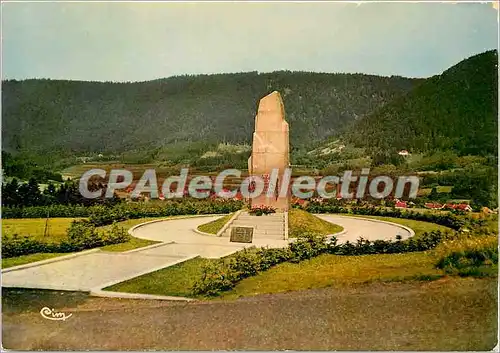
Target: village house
[434, 206]
[401, 204]
[458, 206]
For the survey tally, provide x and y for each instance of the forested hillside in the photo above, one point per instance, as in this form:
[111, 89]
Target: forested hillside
[71, 117]
[455, 111]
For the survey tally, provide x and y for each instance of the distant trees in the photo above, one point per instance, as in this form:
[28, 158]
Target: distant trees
[16, 194]
[478, 184]
[76, 117]
[24, 167]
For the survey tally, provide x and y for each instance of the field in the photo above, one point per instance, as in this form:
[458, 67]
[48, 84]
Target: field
[137, 170]
[439, 189]
[35, 227]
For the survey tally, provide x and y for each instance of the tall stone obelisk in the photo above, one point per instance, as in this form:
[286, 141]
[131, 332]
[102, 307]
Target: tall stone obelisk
[270, 149]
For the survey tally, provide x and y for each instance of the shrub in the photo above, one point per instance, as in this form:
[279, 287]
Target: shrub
[43, 211]
[307, 246]
[107, 215]
[223, 274]
[17, 245]
[116, 235]
[246, 263]
[468, 255]
[83, 235]
[214, 279]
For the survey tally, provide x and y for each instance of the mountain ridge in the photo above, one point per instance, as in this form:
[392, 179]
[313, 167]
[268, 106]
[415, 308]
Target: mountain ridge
[456, 110]
[78, 116]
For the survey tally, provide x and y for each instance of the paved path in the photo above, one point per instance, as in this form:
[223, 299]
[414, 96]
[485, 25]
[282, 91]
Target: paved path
[370, 229]
[96, 270]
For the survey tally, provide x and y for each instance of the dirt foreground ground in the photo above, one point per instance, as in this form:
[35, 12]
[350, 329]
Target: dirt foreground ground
[448, 314]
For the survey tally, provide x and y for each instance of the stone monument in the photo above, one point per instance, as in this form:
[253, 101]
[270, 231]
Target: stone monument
[270, 149]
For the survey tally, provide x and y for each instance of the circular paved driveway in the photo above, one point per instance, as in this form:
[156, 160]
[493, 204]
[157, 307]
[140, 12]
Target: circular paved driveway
[182, 230]
[178, 230]
[369, 229]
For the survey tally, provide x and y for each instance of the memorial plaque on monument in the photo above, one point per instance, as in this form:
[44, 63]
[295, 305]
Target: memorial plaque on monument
[241, 234]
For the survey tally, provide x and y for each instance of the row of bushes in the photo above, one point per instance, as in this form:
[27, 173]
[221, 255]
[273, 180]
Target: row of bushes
[107, 215]
[445, 219]
[102, 215]
[81, 235]
[44, 211]
[427, 241]
[222, 275]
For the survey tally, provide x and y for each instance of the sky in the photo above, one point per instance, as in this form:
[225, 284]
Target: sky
[123, 41]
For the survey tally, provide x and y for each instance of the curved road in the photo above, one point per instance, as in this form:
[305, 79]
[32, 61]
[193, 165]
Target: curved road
[370, 229]
[182, 230]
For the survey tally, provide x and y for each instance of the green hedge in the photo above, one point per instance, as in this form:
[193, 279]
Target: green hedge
[102, 215]
[81, 235]
[106, 215]
[427, 241]
[222, 275]
[43, 211]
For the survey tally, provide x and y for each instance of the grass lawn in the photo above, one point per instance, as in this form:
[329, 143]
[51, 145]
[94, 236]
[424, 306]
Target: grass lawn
[336, 270]
[176, 280]
[300, 221]
[133, 243]
[420, 227]
[35, 227]
[214, 226]
[26, 259]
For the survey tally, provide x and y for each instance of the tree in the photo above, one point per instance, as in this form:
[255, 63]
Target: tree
[10, 195]
[29, 193]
